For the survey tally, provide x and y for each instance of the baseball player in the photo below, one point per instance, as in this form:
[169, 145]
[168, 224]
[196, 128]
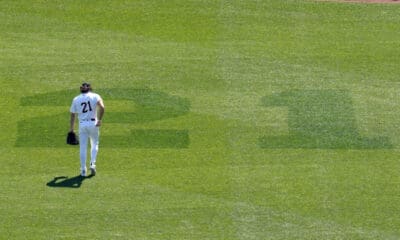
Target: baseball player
[90, 110]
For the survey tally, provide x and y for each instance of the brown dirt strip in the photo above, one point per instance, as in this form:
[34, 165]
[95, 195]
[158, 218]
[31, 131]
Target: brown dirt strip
[363, 1]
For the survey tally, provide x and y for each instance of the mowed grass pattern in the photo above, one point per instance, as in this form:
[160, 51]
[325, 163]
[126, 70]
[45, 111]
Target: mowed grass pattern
[149, 105]
[224, 119]
[320, 119]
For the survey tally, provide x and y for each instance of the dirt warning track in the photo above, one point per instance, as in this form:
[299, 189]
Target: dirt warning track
[363, 1]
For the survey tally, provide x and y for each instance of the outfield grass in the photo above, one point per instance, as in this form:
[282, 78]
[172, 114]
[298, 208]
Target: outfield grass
[224, 119]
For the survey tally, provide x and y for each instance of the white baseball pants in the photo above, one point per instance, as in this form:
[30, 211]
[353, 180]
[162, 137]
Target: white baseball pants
[88, 131]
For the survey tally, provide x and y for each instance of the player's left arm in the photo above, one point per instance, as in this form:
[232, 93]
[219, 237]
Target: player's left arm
[72, 122]
[100, 112]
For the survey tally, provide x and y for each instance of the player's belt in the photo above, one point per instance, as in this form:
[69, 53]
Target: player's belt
[88, 120]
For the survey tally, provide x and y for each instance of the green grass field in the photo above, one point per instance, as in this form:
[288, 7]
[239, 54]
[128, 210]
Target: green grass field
[242, 119]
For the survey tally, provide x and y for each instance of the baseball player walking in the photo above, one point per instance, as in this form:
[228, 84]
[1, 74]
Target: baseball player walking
[90, 110]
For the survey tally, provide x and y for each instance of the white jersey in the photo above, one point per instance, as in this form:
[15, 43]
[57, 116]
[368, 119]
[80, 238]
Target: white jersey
[85, 106]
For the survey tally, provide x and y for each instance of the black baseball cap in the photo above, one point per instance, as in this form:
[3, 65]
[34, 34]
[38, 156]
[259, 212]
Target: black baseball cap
[85, 87]
[85, 84]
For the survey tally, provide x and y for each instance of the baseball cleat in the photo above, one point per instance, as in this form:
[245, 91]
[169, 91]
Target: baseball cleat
[83, 173]
[92, 171]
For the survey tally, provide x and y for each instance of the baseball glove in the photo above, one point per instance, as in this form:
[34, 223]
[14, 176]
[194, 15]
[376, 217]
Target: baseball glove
[72, 139]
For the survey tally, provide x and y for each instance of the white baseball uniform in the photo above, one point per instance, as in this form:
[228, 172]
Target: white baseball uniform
[85, 105]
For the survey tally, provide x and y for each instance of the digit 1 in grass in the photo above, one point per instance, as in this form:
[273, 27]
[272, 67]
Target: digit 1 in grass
[319, 119]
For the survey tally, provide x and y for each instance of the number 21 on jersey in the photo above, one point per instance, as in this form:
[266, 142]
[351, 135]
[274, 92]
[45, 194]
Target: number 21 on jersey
[86, 106]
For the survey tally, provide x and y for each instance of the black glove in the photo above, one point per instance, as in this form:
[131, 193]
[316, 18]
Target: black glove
[72, 139]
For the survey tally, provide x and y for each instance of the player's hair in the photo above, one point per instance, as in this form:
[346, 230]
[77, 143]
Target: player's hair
[85, 87]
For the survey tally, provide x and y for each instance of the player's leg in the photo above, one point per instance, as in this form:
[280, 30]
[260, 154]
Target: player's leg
[83, 141]
[94, 148]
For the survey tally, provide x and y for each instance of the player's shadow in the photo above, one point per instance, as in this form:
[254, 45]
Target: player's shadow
[63, 181]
